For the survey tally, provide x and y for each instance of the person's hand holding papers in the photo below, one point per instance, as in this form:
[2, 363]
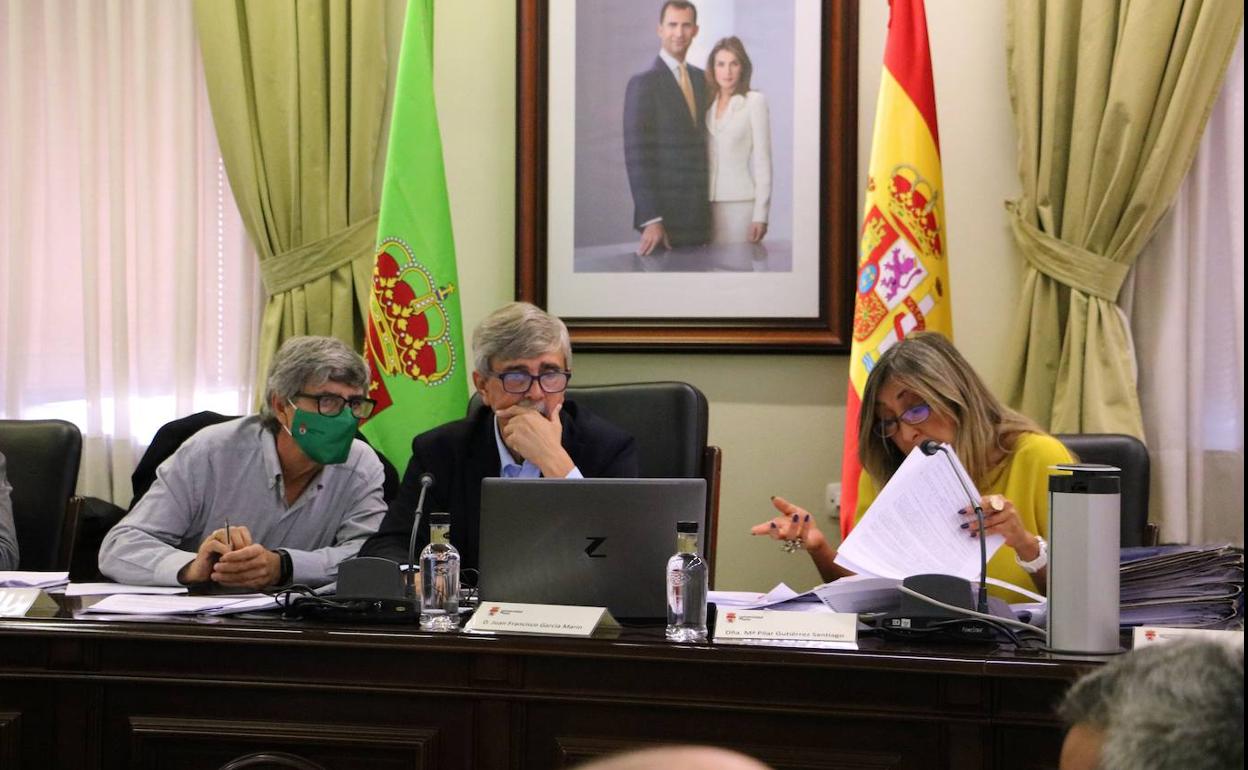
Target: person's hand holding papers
[1001, 518]
[923, 390]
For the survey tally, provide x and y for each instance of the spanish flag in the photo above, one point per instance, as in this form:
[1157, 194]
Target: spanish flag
[415, 345]
[903, 277]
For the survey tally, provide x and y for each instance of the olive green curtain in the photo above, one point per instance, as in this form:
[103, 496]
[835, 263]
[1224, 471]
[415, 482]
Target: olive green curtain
[298, 91]
[1110, 99]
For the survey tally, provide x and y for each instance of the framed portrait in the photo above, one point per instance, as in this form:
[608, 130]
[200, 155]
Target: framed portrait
[686, 173]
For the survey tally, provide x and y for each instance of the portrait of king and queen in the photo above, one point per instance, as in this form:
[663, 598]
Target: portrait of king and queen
[683, 156]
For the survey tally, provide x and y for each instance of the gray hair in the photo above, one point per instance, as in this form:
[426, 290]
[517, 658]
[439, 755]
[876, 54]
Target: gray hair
[301, 360]
[519, 330]
[1175, 706]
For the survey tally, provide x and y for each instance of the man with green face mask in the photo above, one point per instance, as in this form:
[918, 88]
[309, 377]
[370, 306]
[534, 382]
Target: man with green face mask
[270, 499]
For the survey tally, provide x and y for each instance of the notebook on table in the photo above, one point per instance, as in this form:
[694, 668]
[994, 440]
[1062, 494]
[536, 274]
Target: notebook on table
[590, 542]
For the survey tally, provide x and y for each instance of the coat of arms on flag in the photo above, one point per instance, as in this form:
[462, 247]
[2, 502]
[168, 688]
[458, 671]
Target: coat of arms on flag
[902, 283]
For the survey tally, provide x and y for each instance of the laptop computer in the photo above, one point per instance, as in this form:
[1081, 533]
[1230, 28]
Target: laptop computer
[589, 542]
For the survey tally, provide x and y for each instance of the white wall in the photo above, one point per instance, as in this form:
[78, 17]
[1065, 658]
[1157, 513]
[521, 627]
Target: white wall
[778, 418]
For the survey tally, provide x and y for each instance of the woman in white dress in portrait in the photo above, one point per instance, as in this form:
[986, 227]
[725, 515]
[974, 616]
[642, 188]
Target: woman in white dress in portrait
[739, 147]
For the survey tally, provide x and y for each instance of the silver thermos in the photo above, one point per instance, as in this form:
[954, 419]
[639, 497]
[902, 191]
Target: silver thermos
[1085, 513]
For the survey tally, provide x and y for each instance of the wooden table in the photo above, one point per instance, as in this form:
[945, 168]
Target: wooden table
[201, 693]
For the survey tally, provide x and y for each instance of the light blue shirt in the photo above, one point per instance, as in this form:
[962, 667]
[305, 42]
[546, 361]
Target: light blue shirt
[510, 469]
[231, 472]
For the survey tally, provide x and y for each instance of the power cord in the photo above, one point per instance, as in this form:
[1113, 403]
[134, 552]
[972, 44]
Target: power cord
[1002, 623]
[972, 613]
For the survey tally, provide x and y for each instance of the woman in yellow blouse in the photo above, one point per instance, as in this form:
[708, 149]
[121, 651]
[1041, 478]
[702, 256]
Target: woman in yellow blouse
[922, 388]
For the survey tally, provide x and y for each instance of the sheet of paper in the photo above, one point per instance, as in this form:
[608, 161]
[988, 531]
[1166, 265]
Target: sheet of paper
[751, 600]
[156, 604]
[16, 602]
[26, 579]
[860, 593]
[246, 603]
[108, 589]
[913, 527]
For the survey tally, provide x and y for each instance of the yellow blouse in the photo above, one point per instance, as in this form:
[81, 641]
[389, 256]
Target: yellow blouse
[1023, 478]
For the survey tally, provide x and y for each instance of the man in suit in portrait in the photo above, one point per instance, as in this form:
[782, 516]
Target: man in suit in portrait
[524, 429]
[665, 139]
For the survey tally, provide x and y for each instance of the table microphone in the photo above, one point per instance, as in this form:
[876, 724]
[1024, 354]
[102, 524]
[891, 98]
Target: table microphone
[931, 447]
[426, 481]
[370, 588]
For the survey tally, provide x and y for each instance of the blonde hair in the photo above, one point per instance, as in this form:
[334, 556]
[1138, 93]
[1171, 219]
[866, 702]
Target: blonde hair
[928, 365]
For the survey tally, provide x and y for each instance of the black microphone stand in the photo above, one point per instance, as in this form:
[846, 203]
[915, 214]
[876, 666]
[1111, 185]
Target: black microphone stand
[426, 481]
[929, 448]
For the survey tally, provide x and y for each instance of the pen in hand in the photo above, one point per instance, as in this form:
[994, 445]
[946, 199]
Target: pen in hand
[229, 542]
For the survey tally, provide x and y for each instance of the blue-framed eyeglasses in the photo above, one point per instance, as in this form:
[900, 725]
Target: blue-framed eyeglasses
[912, 416]
[550, 381]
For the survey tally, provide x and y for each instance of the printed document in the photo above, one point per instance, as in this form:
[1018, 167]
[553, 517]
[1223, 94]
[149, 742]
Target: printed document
[913, 527]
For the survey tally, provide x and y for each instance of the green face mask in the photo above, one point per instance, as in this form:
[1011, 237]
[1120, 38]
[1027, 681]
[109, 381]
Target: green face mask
[325, 440]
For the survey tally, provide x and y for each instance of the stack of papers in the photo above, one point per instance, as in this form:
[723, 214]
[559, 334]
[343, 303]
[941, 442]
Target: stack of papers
[157, 604]
[779, 598]
[107, 589]
[1182, 586]
[45, 580]
[856, 593]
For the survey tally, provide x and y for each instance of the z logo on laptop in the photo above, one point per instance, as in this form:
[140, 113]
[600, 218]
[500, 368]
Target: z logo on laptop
[591, 549]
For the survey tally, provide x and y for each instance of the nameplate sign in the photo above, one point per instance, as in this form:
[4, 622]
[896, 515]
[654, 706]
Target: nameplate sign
[545, 619]
[1146, 635]
[834, 630]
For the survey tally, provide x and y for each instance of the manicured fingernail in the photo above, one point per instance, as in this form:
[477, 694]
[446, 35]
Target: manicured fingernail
[773, 525]
[807, 517]
[773, 497]
[966, 524]
[973, 534]
[795, 517]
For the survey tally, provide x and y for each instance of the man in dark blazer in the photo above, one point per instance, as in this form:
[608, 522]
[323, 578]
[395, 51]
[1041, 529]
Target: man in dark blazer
[665, 139]
[523, 429]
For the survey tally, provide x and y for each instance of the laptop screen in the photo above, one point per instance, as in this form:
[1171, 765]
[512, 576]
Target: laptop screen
[589, 542]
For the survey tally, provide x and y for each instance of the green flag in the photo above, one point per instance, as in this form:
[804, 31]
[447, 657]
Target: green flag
[415, 345]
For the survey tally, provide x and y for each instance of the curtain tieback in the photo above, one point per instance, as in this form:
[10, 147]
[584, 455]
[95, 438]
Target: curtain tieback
[1077, 268]
[303, 264]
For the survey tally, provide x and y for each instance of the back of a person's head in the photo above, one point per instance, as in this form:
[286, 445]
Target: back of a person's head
[677, 758]
[1176, 706]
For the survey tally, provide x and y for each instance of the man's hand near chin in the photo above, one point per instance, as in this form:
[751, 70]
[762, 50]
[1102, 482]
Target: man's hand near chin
[535, 437]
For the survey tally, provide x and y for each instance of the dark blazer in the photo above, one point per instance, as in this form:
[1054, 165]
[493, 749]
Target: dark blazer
[462, 453]
[665, 153]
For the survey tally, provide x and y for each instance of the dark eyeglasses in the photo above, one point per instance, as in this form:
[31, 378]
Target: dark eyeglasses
[331, 404]
[912, 416]
[517, 382]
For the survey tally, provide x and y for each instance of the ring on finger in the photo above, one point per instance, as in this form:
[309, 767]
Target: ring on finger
[790, 546]
[997, 503]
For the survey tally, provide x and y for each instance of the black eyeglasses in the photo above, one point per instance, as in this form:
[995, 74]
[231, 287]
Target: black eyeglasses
[912, 416]
[331, 404]
[517, 382]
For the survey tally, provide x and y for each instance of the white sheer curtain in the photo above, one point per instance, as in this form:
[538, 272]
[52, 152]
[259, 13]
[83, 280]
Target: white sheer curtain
[1186, 305]
[129, 294]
